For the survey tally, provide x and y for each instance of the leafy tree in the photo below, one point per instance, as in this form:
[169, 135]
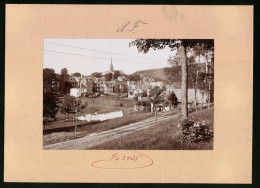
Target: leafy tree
[173, 73]
[202, 85]
[71, 104]
[134, 77]
[207, 52]
[109, 76]
[144, 45]
[50, 106]
[50, 80]
[96, 74]
[156, 98]
[116, 74]
[64, 74]
[172, 98]
[65, 85]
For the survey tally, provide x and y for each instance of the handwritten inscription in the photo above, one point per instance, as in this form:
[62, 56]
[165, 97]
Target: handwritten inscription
[125, 157]
[124, 160]
[130, 27]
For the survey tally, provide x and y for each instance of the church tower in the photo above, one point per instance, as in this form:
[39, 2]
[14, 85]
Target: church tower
[111, 68]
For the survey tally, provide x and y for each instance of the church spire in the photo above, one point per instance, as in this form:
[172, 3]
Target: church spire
[111, 68]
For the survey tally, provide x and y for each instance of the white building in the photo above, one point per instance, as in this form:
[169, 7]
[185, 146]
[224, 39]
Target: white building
[154, 84]
[76, 92]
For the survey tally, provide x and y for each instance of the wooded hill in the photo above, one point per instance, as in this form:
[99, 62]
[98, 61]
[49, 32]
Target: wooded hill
[157, 74]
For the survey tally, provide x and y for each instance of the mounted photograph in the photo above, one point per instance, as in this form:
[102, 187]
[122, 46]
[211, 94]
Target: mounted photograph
[128, 94]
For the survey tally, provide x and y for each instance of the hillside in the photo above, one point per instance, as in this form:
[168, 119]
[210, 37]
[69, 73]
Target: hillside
[157, 74]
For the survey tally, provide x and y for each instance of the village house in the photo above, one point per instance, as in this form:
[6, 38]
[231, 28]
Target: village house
[77, 92]
[120, 87]
[74, 82]
[108, 87]
[100, 88]
[159, 84]
[201, 98]
[169, 89]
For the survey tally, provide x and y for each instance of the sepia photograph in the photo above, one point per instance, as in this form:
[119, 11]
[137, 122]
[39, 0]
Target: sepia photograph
[128, 94]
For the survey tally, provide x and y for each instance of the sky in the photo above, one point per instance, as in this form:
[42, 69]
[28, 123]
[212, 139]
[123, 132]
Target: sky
[94, 55]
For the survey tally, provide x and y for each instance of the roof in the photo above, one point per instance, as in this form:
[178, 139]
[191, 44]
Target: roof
[120, 82]
[72, 79]
[191, 95]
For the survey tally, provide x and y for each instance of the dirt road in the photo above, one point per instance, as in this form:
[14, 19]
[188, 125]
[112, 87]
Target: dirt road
[95, 139]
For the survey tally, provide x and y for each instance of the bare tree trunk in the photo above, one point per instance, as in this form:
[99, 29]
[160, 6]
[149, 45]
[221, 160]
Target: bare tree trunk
[202, 102]
[195, 95]
[75, 128]
[209, 96]
[155, 113]
[184, 83]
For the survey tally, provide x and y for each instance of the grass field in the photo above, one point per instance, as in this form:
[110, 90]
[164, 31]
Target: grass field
[103, 104]
[163, 136]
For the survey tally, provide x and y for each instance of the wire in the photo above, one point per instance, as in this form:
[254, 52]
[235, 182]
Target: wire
[97, 50]
[96, 56]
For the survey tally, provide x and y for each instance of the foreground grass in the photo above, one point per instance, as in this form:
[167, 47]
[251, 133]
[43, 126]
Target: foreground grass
[163, 136]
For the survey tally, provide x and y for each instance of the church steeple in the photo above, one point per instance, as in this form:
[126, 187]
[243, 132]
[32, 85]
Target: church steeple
[111, 68]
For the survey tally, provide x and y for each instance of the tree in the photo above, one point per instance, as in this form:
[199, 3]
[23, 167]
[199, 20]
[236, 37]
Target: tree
[64, 74]
[207, 52]
[157, 97]
[144, 45]
[193, 69]
[134, 77]
[116, 74]
[96, 74]
[65, 85]
[172, 98]
[50, 107]
[173, 73]
[71, 104]
[109, 76]
[50, 80]
[202, 85]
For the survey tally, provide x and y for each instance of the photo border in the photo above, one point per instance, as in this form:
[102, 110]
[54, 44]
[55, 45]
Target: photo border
[256, 119]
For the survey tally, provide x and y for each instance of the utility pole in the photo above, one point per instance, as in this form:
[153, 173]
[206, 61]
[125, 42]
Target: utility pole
[75, 129]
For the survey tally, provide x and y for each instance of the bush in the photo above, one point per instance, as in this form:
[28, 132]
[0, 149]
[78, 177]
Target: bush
[138, 103]
[167, 103]
[143, 103]
[121, 104]
[192, 131]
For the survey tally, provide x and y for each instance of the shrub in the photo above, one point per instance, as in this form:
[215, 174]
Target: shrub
[167, 103]
[143, 103]
[121, 104]
[192, 131]
[138, 103]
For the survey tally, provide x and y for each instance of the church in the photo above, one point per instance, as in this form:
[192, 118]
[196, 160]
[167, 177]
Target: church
[111, 70]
